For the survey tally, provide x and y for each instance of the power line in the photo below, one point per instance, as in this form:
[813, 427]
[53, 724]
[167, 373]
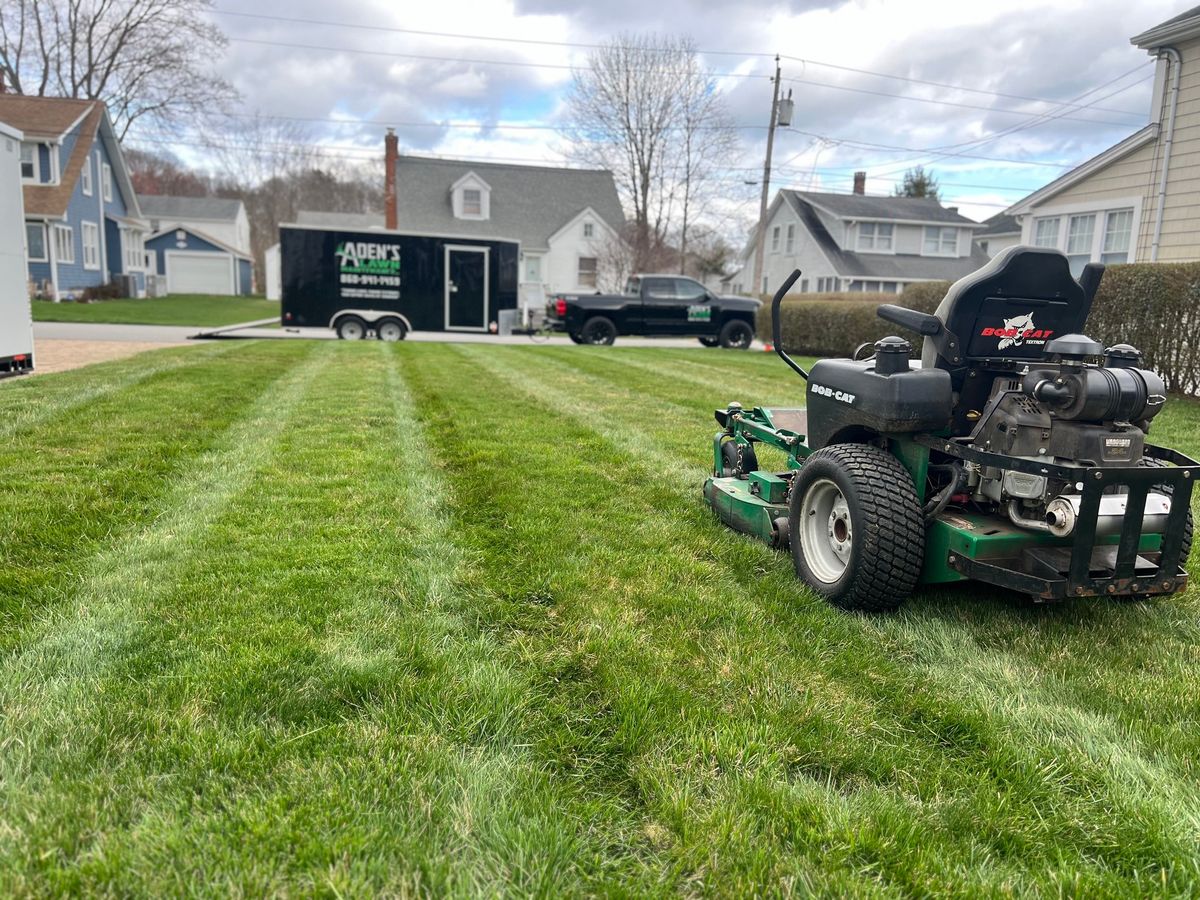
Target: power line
[598, 46]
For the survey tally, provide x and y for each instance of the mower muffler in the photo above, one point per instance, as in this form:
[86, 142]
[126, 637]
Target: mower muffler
[1063, 512]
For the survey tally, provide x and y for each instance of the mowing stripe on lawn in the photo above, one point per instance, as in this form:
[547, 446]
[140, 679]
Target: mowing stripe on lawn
[335, 709]
[619, 411]
[47, 684]
[100, 380]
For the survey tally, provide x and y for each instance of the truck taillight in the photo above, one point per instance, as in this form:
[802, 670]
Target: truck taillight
[560, 307]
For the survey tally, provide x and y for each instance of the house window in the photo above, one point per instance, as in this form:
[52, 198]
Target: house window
[106, 180]
[804, 285]
[589, 229]
[135, 251]
[827, 285]
[64, 243]
[1118, 225]
[35, 241]
[791, 238]
[1081, 231]
[587, 271]
[775, 239]
[941, 241]
[1045, 232]
[29, 162]
[472, 202]
[91, 245]
[85, 176]
[875, 237]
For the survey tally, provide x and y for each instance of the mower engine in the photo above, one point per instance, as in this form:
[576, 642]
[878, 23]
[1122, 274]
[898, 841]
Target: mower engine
[1075, 414]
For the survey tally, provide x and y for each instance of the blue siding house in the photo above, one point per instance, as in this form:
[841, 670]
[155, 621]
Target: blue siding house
[198, 245]
[83, 225]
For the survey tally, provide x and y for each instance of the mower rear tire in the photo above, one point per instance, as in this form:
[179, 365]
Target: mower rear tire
[736, 335]
[1188, 523]
[737, 460]
[710, 341]
[598, 330]
[855, 527]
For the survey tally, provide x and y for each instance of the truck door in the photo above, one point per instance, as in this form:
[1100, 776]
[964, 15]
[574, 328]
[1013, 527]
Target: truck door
[662, 309]
[697, 306]
[466, 288]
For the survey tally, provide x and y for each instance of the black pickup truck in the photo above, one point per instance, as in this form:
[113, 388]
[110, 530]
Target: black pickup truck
[655, 305]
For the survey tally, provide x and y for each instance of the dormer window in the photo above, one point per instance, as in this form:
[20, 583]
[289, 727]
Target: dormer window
[875, 237]
[470, 197]
[589, 230]
[29, 162]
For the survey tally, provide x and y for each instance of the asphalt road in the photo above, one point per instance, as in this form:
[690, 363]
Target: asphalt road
[90, 331]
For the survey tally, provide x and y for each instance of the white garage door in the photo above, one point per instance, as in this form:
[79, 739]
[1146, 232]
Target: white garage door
[209, 273]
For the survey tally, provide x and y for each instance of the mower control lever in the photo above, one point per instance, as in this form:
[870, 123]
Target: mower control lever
[775, 301]
[918, 322]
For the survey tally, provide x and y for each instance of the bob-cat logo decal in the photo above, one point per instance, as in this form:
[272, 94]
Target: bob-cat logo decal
[832, 393]
[1017, 331]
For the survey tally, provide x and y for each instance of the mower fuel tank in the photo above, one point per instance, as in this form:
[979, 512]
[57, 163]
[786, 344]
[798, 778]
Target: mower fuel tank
[846, 397]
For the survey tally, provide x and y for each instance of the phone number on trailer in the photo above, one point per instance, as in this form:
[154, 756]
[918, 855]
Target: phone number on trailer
[380, 280]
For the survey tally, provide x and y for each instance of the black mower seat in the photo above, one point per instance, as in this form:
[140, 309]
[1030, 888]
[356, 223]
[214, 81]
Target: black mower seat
[1009, 308]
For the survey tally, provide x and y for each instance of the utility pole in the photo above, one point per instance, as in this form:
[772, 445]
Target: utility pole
[766, 187]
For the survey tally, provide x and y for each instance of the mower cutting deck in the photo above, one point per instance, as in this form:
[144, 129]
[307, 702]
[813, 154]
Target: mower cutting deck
[1013, 454]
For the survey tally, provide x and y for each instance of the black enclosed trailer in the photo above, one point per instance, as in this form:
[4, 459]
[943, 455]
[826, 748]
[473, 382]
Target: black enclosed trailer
[388, 283]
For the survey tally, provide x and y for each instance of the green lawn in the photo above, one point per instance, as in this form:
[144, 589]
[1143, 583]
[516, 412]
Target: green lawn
[178, 309]
[326, 618]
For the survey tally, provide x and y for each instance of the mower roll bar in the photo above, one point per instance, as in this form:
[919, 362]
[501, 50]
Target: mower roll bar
[775, 301]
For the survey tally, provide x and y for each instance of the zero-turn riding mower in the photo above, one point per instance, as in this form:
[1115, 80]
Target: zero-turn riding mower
[1013, 453]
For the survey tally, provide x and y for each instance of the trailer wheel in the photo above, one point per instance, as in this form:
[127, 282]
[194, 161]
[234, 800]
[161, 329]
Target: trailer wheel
[710, 341]
[737, 460]
[390, 330]
[351, 328]
[736, 335]
[1188, 523]
[855, 527]
[598, 330]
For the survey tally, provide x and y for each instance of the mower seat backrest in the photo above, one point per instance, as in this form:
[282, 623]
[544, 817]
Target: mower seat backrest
[1009, 308]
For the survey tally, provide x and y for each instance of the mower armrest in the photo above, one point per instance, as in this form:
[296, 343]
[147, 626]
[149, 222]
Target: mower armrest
[917, 322]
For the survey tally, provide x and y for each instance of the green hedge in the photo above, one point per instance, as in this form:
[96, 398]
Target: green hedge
[836, 324]
[1156, 308]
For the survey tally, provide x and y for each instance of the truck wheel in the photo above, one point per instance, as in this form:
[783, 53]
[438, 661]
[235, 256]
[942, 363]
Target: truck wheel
[737, 460]
[709, 341]
[856, 529]
[390, 330]
[351, 328]
[736, 335]
[598, 330]
[575, 339]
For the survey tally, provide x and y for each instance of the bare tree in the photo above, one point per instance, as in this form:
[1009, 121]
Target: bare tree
[163, 173]
[148, 60]
[644, 109]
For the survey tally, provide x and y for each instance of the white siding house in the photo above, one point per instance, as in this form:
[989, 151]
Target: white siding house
[1138, 201]
[852, 242]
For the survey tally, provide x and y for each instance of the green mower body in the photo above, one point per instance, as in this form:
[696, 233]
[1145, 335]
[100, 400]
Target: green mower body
[1011, 454]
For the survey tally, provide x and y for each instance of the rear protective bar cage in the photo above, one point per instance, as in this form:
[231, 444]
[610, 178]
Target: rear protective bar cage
[1123, 578]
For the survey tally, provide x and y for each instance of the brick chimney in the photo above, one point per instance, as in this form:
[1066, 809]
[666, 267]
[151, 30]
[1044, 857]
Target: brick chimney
[390, 154]
[860, 182]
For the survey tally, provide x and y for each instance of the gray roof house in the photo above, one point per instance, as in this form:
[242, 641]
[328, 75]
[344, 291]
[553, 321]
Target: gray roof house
[999, 232]
[853, 242]
[198, 245]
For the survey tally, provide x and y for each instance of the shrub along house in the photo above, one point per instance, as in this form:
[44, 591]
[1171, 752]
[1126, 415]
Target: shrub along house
[852, 242]
[199, 245]
[1139, 200]
[83, 225]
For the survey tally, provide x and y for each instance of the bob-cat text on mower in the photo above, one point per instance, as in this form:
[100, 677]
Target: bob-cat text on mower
[1014, 452]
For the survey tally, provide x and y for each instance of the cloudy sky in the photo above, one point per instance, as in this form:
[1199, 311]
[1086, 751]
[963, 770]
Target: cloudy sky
[1033, 87]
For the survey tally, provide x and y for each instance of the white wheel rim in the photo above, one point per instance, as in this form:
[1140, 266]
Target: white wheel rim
[389, 331]
[352, 331]
[826, 532]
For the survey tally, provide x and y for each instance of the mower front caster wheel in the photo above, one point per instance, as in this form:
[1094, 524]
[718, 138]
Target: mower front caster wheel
[737, 460]
[855, 527]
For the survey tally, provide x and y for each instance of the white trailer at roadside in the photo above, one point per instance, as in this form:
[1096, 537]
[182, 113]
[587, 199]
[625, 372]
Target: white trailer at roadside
[16, 323]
